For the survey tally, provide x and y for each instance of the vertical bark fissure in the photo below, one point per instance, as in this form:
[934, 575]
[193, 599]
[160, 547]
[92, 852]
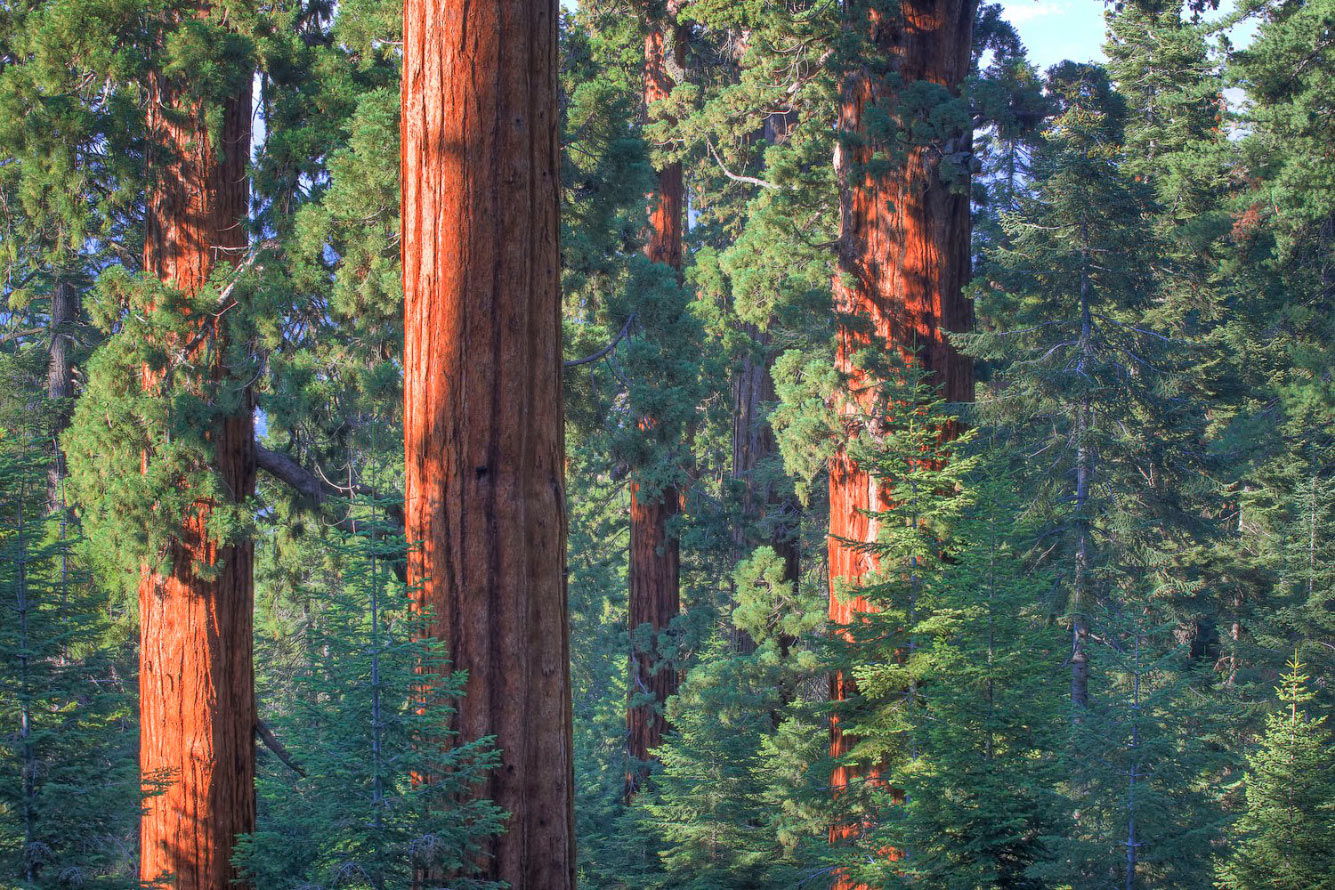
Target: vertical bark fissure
[483, 424]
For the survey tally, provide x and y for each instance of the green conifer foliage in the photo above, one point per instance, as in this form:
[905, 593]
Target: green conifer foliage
[1101, 404]
[1282, 239]
[1286, 836]
[1171, 85]
[380, 794]
[328, 295]
[131, 507]
[709, 804]
[68, 782]
[714, 801]
[985, 662]
[1083, 605]
[948, 667]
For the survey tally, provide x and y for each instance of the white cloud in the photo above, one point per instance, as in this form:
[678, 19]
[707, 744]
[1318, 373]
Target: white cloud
[1018, 13]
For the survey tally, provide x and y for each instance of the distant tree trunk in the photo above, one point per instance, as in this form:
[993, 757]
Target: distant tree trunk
[483, 422]
[196, 687]
[1081, 594]
[753, 445]
[903, 262]
[654, 559]
[60, 381]
[753, 440]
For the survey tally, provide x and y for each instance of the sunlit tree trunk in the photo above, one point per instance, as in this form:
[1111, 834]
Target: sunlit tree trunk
[654, 562]
[483, 425]
[196, 687]
[903, 262]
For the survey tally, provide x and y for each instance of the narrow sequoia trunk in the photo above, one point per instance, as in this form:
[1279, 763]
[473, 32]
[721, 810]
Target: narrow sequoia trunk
[903, 262]
[654, 559]
[196, 688]
[483, 426]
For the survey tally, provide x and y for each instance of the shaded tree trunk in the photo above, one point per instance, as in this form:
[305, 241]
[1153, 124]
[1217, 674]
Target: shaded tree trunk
[1081, 594]
[483, 425]
[65, 306]
[654, 563]
[903, 261]
[196, 686]
[753, 440]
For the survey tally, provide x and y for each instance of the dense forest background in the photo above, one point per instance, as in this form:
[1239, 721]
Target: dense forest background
[1092, 628]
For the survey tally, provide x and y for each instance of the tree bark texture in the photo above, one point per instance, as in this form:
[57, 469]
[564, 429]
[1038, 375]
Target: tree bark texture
[483, 424]
[903, 261]
[196, 686]
[654, 564]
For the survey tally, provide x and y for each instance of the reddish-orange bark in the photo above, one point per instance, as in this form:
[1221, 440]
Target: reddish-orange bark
[654, 599]
[903, 262]
[196, 687]
[483, 425]
[654, 557]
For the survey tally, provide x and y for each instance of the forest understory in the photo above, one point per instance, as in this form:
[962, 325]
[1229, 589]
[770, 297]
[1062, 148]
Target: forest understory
[665, 445]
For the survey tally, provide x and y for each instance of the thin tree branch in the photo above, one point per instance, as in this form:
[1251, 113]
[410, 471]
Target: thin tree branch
[318, 492]
[625, 329]
[265, 735]
[737, 177]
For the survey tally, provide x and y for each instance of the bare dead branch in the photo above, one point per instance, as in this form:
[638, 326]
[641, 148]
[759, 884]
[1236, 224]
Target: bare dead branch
[270, 741]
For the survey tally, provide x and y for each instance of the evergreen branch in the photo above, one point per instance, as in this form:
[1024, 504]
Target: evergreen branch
[19, 335]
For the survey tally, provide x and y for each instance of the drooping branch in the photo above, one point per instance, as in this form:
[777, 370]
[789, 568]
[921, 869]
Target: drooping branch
[311, 485]
[285, 469]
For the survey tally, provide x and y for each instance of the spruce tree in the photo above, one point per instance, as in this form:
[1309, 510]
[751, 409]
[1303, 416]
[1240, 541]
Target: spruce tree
[983, 659]
[1286, 836]
[1101, 403]
[1282, 239]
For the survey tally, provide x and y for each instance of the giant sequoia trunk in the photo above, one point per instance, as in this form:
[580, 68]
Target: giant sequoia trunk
[484, 440]
[654, 559]
[903, 261]
[196, 688]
